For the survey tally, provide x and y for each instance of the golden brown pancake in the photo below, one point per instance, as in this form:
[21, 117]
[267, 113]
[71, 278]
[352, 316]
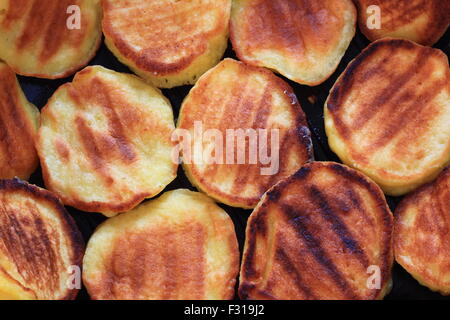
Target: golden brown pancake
[35, 39]
[316, 235]
[388, 114]
[421, 21]
[179, 246]
[167, 42]
[19, 121]
[40, 244]
[105, 141]
[422, 234]
[304, 40]
[234, 96]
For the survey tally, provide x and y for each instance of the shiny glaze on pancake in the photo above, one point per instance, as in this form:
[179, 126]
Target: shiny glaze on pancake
[234, 95]
[169, 43]
[104, 141]
[35, 40]
[421, 21]
[179, 246]
[38, 242]
[18, 126]
[314, 235]
[304, 40]
[388, 114]
[422, 233]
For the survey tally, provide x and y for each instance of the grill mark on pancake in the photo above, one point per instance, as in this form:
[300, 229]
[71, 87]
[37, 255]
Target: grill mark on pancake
[339, 227]
[14, 129]
[15, 11]
[237, 94]
[263, 112]
[406, 14]
[93, 151]
[63, 150]
[386, 94]
[116, 128]
[290, 269]
[55, 30]
[401, 118]
[295, 219]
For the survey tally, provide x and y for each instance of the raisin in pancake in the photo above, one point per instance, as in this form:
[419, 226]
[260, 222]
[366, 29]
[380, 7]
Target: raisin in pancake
[235, 96]
[39, 241]
[316, 235]
[19, 122]
[169, 43]
[388, 114]
[304, 40]
[421, 21]
[105, 141]
[35, 39]
[422, 234]
[179, 246]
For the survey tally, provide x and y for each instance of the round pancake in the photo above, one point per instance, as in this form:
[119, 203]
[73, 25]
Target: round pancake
[421, 21]
[105, 141]
[234, 96]
[422, 234]
[35, 39]
[388, 114]
[19, 121]
[39, 244]
[304, 40]
[179, 246]
[168, 43]
[317, 235]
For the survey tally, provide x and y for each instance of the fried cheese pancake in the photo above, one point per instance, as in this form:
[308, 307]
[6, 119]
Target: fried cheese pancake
[43, 38]
[235, 97]
[422, 234]
[388, 114]
[39, 241]
[304, 40]
[179, 246]
[317, 235]
[105, 141]
[167, 42]
[19, 121]
[421, 21]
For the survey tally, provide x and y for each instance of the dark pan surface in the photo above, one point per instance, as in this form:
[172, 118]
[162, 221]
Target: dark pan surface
[312, 100]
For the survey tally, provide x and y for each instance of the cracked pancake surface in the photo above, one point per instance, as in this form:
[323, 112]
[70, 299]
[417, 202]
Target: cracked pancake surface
[235, 96]
[179, 246]
[422, 234]
[421, 21]
[167, 42]
[388, 114]
[35, 39]
[304, 40]
[105, 141]
[39, 241]
[316, 235]
[19, 121]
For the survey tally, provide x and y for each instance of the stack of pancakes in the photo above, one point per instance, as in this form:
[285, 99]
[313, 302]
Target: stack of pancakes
[107, 141]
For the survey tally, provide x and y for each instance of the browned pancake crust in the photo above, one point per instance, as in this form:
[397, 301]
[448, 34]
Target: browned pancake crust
[314, 235]
[26, 241]
[391, 100]
[309, 37]
[239, 108]
[160, 39]
[425, 21]
[422, 233]
[18, 128]
[42, 28]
